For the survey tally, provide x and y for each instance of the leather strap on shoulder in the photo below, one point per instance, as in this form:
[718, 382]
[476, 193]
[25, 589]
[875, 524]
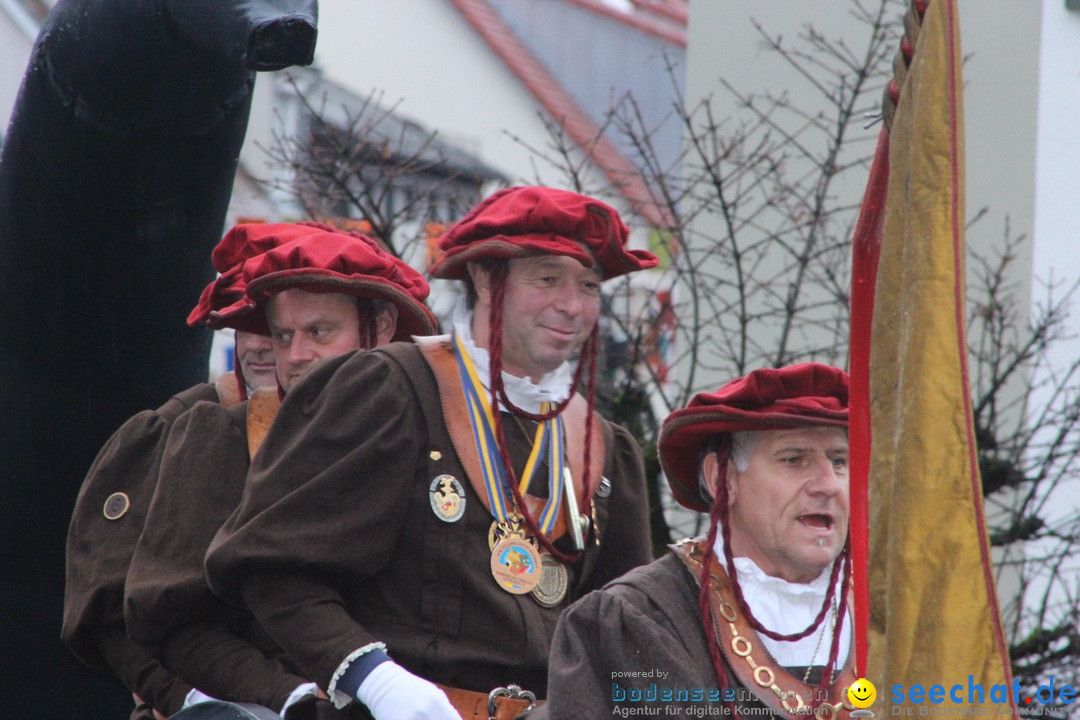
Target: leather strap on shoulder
[747, 657]
[228, 389]
[261, 410]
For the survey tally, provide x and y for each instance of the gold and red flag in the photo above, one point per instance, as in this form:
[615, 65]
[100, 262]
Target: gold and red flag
[927, 611]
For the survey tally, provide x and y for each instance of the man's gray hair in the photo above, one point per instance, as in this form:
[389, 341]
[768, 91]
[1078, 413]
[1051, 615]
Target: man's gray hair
[742, 446]
[743, 443]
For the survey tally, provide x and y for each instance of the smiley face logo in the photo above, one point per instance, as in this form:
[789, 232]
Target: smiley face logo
[862, 693]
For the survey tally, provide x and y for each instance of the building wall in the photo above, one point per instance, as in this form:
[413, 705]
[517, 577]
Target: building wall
[248, 199]
[728, 61]
[420, 53]
[1057, 209]
[1000, 40]
[1057, 217]
[1000, 97]
[423, 53]
[1006, 67]
[16, 40]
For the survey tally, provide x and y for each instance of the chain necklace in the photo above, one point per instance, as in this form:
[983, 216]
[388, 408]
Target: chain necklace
[825, 627]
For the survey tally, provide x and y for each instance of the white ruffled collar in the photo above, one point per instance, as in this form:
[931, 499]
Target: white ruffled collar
[788, 607]
[755, 580]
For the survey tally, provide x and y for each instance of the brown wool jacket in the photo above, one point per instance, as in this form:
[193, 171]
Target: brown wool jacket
[99, 551]
[335, 544]
[639, 645]
[613, 642]
[168, 605]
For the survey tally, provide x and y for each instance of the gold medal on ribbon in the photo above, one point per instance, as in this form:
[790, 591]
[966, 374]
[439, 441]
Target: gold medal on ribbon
[515, 565]
[512, 527]
[554, 582]
[515, 561]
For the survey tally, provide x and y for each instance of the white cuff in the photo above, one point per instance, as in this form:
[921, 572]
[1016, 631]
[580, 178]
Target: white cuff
[301, 692]
[339, 698]
[195, 697]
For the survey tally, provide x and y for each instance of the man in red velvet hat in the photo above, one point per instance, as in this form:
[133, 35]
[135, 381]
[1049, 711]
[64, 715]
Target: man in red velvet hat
[420, 514]
[755, 614]
[319, 293]
[111, 507]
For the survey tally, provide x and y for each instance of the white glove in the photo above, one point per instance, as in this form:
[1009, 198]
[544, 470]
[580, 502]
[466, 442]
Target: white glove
[194, 698]
[393, 693]
[301, 692]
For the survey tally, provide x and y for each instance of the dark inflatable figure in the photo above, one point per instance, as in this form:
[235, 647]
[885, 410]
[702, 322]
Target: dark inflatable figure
[115, 177]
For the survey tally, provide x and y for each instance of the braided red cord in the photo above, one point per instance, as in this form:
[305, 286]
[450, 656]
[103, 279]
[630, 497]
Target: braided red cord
[705, 584]
[834, 648]
[498, 388]
[368, 324]
[498, 275]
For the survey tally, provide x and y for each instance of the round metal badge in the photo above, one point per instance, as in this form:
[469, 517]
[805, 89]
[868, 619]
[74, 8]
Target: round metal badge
[447, 498]
[554, 582]
[603, 490]
[116, 505]
[515, 566]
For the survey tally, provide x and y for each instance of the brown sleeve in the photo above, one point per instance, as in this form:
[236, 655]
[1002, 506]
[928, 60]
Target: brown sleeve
[226, 665]
[143, 674]
[642, 634]
[168, 604]
[200, 481]
[336, 465]
[99, 551]
[624, 525]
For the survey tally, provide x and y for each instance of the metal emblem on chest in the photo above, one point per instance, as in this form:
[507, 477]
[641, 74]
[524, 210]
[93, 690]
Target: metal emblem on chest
[116, 505]
[554, 582]
[447, 498]
[604, 489]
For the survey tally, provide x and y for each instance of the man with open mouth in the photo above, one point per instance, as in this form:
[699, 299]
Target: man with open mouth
[755, 614]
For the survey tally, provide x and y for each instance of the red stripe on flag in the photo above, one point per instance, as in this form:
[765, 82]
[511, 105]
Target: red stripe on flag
[866, 248]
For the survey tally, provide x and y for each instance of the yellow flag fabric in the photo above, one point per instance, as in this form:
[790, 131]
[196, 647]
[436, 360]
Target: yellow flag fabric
[934, 617]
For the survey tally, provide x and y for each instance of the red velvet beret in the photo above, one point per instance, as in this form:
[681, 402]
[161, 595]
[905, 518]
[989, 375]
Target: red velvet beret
[522, 221]
[218, 294]
[247, 240]
[329, 261]
[769, 399]
[242, 242]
